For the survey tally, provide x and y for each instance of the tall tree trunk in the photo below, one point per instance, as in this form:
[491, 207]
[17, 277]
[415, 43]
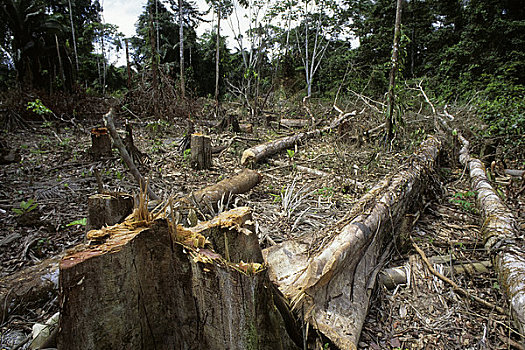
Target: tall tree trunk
[60, 62]
[389, 125]
[127, 63]
[181, 46]
[154, 68]
[73, 34]
[217, 61]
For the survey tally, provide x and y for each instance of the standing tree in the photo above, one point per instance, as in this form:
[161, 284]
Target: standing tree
[389, 124]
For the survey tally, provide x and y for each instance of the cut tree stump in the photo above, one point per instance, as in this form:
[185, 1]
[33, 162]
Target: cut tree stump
[503, 240]
[100, 143]
[29, 288]
[201, 152]
[108, 209]
[154, 286]
[330, 279]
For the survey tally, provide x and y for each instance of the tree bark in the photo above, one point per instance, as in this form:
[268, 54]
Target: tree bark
[156, 287]
[294, 123]
[209, 196]
[108, 209]
[264, 150]
[28, 288]
[331, 280]
[389, 124]
[503, 240]
[259, 152]
[200, 152]
[181, 51]
[100, 143]
[217, 51]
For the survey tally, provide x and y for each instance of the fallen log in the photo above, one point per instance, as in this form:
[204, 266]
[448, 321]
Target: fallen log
[264, 150]
[29, 287]
[503, 240]
[394, 276]
[331, 278]
[155, 285]
[294, 123]
[209, 197]
[255, 154]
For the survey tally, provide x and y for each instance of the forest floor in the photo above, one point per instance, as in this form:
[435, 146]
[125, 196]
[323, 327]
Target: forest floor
[55, 175]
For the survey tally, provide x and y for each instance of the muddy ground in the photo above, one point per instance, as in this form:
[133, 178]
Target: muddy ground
[43, 199]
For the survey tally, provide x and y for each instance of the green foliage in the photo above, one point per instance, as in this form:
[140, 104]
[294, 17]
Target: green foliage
[80, 222]
[25, 207]
[186, 154]
[290, 153]
[502, 107]
[464, 200]
[38, 107]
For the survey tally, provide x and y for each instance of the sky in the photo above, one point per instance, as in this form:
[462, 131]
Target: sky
[124, 13]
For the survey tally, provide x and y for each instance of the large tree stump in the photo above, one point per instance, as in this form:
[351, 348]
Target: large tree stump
[200, 151]
[100, 143]
[108, 209]
[157, 287]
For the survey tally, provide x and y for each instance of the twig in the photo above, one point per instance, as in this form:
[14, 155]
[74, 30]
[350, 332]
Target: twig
[108, 119]
[457, 288]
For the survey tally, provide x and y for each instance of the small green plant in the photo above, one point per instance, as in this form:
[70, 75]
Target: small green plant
[291, 153]
[25, 207]
[463, 199]
[325, 191]
[80, 222]
[187, 154]
[38, 107]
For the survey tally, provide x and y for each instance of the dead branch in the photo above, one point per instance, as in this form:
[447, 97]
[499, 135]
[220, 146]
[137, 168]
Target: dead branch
[454, 285]
[108, 119]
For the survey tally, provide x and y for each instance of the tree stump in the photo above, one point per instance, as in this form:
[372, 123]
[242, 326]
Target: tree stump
[108, 209]
[200, 151]
[100, 143]
[156, 286]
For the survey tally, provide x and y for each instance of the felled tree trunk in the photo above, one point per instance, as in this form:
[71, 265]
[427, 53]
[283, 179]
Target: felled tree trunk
[28, 288]
[209, 196]
[201, 152]
[255, 154]
[108, 209]
[157, 287]
[294, 123]
[501, 234]
[394, 276]
[331, 280]
[259, 152]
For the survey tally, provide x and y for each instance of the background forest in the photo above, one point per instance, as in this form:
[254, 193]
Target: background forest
[459, 51]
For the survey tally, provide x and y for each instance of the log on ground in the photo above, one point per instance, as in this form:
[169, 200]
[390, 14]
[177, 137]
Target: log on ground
[264, 150]
[208, 197]
[332, 284]
[30, 287]
[160, 287]
[259, 152]
[503, 240]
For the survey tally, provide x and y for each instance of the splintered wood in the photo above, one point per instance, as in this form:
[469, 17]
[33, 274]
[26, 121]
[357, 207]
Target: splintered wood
[158, 287]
